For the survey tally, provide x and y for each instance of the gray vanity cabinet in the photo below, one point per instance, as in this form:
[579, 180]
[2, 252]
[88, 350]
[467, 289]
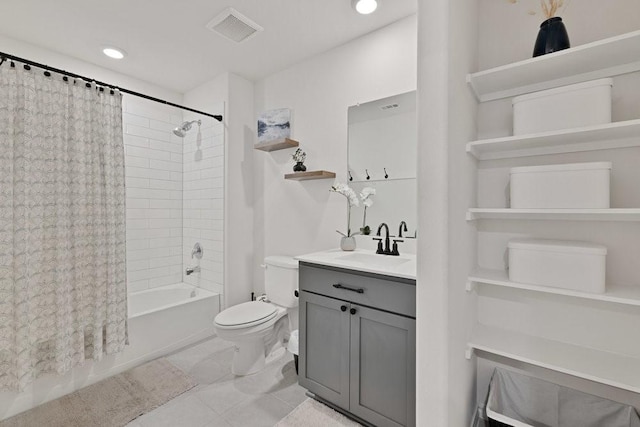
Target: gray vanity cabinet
[352, 353]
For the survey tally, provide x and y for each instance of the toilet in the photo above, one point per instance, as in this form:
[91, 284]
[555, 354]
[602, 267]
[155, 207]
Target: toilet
[258, 328]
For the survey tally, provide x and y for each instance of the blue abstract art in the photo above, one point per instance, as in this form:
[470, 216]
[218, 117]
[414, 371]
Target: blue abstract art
[274, 124]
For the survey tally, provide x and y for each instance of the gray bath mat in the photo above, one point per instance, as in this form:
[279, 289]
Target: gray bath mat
[312, 413]
[112, 402]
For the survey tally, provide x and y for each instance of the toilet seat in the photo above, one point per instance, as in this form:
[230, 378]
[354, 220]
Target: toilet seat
[245, 315]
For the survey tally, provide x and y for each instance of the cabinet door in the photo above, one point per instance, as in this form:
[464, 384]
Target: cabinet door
[383, 367]
[324, 347]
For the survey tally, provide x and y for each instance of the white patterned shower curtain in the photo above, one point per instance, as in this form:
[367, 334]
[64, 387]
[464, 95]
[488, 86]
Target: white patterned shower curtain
[63, 295]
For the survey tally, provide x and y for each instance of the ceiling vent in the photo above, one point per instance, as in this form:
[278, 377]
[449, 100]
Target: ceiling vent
[389, 106]
[234, 26]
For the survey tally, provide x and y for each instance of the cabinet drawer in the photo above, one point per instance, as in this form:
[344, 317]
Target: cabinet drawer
[394, 295]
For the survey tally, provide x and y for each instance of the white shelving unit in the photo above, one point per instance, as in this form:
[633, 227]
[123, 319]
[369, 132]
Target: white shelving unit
[627, 295]
[604, 58]
[632, 214]
[600, 137]
[601, 366]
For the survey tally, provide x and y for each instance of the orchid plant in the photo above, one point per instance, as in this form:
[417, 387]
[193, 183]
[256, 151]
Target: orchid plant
[367, 200]
[352, 200]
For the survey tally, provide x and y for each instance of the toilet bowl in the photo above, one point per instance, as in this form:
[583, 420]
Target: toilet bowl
[258, 328]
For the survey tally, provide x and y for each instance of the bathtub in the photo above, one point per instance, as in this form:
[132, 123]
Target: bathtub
[161, 321]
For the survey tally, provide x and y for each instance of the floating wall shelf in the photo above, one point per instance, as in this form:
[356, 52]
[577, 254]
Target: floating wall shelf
[627, 295]
[603, 58]
[276, 144]
[599, 137]
[596, 365]
[305, 176]
[555, 214]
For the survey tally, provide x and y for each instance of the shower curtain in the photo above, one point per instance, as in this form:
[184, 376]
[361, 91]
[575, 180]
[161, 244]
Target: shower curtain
[63, 295]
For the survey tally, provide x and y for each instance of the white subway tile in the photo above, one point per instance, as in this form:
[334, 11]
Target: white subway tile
[138, 162]
[165, 165]
[134, 224]
[137, 203]
[151, 153]
[142, 264]
[165, 223]
[165, 204]
[138, 285]
[132, 119]
[131, 182]
[135, 141]
[148, 133]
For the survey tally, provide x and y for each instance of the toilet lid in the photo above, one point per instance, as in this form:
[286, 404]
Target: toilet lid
[246, 314]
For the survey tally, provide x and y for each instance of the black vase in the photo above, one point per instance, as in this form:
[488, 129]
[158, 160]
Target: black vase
[552, 37]
[299, 167]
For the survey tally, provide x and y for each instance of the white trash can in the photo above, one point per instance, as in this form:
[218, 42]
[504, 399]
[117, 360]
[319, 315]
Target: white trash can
[292, 347]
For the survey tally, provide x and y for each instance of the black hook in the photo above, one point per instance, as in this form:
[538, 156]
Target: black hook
[368, 177]
[386, 175]
[350, 177]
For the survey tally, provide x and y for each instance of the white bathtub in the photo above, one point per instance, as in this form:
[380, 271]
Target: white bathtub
[161, 320]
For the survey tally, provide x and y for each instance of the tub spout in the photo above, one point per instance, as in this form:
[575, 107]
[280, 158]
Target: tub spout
[191, 270]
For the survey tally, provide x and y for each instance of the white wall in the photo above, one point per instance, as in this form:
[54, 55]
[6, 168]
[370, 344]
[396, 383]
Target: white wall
[153, 163]
[203, 199]
[236, 97]
[292, 217]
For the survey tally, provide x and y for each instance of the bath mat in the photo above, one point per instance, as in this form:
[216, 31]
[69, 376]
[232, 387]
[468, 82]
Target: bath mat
[312, 413]
[112, 402]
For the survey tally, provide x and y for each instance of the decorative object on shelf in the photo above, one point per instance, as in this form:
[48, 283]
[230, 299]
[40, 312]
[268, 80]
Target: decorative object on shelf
[348, 242]
[367, 200]
[274, 124]
[552, 36]
[299, 157]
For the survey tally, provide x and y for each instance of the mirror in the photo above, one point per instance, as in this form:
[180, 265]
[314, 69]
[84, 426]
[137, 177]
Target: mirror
[382, 151]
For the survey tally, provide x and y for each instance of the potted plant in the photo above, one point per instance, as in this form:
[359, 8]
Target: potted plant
[366, 195]
[348, 241]
[299, 156]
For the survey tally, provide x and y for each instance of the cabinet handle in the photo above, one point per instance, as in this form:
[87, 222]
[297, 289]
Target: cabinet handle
[353, 311]
[343, 307]
[347, 288]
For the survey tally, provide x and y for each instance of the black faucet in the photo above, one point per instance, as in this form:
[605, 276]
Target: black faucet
[401, 228]
[387, 246]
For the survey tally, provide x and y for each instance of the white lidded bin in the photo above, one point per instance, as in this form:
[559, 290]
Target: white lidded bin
[572, 106]
[569, 186]
[559, 263]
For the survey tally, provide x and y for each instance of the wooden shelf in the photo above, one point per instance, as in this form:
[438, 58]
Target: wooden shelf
[305, 176]
[276, 144]
[555, 214]
[605, 367]
[627, 295]
[603, 58]
[599, 137]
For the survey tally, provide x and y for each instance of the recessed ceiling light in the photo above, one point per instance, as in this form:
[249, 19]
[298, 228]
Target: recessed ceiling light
[364, 7]
[114, 53]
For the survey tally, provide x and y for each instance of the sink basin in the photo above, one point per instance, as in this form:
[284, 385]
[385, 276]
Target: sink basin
[373, 260]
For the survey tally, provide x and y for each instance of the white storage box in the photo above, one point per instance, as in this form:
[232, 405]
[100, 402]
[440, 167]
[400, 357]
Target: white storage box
[571, 186]
[577, 105]
[563, 264]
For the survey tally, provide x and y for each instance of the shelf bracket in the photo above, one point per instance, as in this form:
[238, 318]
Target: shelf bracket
[470, 286]
[468, 352]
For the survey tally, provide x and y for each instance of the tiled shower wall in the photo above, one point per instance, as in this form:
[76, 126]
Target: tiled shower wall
[153, 160]
[203, 200]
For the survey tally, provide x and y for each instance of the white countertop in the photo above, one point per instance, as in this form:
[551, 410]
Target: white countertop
[403, 266]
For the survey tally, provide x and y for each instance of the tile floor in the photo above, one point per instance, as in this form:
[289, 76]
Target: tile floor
[223, 400]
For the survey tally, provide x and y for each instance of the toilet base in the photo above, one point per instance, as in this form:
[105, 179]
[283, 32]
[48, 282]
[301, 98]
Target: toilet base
[248, 358]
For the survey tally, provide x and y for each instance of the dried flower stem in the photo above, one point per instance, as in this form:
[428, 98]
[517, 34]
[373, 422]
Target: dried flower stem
[550, 7]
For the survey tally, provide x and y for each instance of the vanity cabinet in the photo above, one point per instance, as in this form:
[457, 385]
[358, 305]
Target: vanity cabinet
[357, 343]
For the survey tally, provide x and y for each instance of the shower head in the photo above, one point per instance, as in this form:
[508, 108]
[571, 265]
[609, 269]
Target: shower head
[182, 130]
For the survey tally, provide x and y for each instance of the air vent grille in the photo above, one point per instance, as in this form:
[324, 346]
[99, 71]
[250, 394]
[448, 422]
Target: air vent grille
[232, 25]
[389, 106]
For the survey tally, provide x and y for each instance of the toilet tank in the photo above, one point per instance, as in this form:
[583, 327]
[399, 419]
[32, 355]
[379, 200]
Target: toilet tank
[281, 280]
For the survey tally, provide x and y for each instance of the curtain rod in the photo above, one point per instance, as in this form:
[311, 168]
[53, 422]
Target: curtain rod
[123, 90]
